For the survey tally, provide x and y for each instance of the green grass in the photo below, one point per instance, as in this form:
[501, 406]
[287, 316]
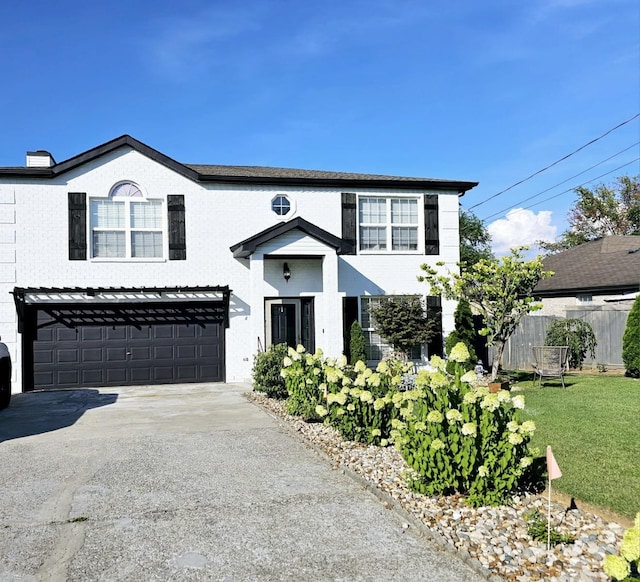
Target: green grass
[594, 429]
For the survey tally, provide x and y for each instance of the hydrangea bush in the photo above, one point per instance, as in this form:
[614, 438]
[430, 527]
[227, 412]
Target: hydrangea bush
[305, 381]
[626, 566]
[458, 437]
[362, 408]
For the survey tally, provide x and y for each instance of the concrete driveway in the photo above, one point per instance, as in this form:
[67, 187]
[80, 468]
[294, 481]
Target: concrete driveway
[187, 482]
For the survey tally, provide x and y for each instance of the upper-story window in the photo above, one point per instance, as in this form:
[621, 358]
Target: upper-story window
[126, 224]
[281, 205]
[388, 224]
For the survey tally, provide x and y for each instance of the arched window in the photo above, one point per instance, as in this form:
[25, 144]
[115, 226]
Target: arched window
[126, 224]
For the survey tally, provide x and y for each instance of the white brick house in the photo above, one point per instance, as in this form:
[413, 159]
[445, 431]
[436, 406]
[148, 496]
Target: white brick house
[121, 266]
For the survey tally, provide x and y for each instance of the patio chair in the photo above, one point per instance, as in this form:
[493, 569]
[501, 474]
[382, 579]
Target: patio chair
[550, 362]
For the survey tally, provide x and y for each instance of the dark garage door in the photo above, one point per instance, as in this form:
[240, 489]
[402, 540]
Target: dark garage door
[121, 348]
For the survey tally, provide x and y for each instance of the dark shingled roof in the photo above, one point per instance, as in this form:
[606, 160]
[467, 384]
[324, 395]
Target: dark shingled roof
[607, 265]
[243, 174]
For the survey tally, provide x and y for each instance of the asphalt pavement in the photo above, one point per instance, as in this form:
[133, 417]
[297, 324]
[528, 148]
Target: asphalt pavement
[188, 482]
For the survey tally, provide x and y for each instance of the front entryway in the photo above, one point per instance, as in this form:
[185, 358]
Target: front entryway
[290, 321]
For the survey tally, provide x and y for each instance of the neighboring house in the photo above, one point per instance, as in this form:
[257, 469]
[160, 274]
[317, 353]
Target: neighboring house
[596, 282]
[121, 266]
[591, 276]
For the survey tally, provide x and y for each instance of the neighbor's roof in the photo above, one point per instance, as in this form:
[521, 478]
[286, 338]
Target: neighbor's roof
[243, 174]
[609, 264]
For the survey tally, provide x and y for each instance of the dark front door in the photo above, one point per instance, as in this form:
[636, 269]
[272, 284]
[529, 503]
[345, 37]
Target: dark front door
[283, 324]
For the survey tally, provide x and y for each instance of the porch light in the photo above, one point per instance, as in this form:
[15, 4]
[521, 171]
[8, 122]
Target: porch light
[286, 272]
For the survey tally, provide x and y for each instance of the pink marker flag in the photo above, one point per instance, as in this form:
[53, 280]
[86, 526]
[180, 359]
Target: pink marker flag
[552, 466]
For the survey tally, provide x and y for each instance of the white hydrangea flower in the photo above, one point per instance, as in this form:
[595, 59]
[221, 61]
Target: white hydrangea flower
[321, 411]
[469, 429]
[515, 438]
[437, 445]
[512, 426]
[483, 471]
[469, 377]
[435, 416]
[459, 353]
[518, 401]
[528, 427]
[453, 415]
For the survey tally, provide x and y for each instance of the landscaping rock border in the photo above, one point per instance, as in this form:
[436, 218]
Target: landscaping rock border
[493, 540]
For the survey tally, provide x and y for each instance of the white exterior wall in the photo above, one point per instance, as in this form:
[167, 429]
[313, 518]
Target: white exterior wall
[34, 250]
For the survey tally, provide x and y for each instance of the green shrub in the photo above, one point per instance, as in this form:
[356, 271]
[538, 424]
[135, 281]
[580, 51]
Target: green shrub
[305, 382]
[357, 344]
[266, 371]
[539, 530]
[362, 408]
[626, 566]
[459, 438]
[631, 342]
[576, 334]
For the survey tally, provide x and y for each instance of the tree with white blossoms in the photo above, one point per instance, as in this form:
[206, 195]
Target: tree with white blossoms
[498, 289]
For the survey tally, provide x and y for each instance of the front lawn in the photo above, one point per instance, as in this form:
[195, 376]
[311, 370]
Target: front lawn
[594, 429]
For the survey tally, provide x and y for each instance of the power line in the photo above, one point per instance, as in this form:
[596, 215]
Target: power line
[560, 183]
[557, 161]
[574, 188]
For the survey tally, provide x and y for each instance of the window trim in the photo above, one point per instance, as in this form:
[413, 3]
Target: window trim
[128, 229]
[389, 225]
[292, 207]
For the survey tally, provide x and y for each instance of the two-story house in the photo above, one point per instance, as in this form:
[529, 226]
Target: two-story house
[122, 266]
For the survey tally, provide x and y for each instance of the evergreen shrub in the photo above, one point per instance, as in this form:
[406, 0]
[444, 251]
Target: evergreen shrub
[266, 371]
[631, 342]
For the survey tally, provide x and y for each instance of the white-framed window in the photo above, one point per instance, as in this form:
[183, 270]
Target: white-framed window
[281, 205]
[377, 348]
[584, 299]
[389, 223]
[126, 225]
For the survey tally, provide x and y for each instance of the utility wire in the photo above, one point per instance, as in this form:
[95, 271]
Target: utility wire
[556, 162]
[560, 183]
[574, 188]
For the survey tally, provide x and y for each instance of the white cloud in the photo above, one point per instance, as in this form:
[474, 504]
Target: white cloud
[521, 227]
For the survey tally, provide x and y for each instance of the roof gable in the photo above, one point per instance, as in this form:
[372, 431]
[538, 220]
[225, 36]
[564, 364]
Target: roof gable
[609, 264]
[247, 247]
[244, 174]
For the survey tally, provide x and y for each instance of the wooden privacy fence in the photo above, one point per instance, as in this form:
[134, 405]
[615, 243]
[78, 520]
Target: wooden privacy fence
[608, 327]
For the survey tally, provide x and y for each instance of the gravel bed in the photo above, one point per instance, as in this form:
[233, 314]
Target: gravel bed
[494, 539]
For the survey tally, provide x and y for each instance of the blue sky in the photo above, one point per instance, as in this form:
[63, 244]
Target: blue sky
[489, 91]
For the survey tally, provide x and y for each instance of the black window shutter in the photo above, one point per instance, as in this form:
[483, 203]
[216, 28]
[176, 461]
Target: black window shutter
[431, 236]
[435, 347]
[349, 222]
[177, 236]
[77, 226]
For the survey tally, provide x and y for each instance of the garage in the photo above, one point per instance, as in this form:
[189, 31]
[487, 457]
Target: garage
[122, 337]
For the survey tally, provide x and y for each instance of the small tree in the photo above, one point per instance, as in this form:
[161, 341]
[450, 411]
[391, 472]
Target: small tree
[498, 289]
[357, 344]
[631, 342]
[403, 322]
[576, 334]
